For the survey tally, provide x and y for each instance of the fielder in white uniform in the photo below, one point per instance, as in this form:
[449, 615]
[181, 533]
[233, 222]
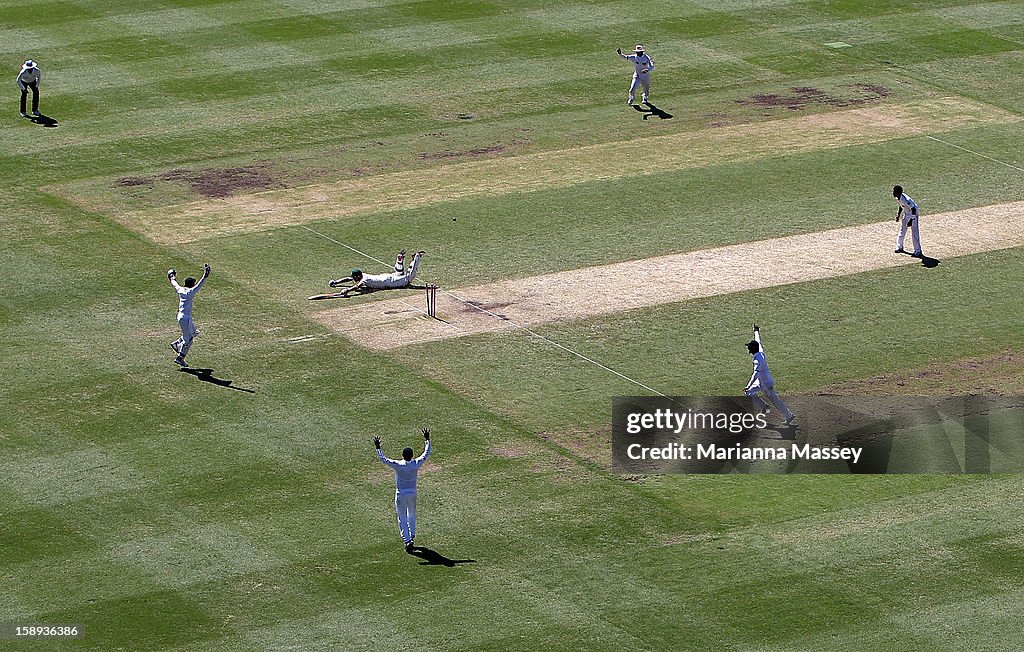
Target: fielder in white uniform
[643, 64]
[405, 486]
[28, 79]
[908, 214]
[400, 278]
[186, 295]
[762, 385]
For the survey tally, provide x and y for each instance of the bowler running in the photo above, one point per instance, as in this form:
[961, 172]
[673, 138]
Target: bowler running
[761, 386]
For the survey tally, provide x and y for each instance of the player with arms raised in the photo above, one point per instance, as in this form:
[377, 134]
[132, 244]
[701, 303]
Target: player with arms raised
[186, 296]
[406, 470]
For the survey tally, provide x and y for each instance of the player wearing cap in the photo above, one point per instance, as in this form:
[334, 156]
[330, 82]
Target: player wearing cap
[400, 278]
[186, 296]
[406, 470]
[643, 64]
[908, 214]
[27, 79]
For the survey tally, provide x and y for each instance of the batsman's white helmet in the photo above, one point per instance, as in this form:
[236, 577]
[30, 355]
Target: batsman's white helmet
[30, 64]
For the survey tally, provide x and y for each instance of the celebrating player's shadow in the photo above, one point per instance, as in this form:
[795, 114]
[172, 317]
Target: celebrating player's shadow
[434, 558]
[44, 120]
[649, 110]
[206, 375]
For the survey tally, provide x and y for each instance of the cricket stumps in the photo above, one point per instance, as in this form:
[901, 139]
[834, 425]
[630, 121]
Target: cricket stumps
[431, 300]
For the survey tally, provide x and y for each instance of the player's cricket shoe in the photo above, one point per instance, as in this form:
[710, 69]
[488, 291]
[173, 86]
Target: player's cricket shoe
[900, 250]
[24, 115]
[181, 362]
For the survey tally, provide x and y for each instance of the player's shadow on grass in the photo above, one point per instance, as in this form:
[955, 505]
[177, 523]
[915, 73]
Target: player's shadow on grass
[206, 375]
[927, 261]
[44, 120]
[652, 110]
[362, 291]
[434, 558]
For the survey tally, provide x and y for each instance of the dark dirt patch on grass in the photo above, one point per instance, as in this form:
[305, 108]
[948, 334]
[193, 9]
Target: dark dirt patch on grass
[997, 375]
[800, 97]
[472, 153]
[224, 182]
[130, 182]
[213, 182]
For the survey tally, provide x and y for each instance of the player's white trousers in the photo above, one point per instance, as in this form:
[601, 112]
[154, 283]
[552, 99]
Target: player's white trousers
[401, 279]
[638, 81]
[405, 508]
[914, 231]
[759, 394]
[410, 273]
[188, 335]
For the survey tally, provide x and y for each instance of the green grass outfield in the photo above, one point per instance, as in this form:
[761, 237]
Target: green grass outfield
[165, 513]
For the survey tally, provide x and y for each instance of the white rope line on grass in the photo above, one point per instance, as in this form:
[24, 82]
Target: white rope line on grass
[349, 247]
[971, 151]
[500, 318]
[552, 342]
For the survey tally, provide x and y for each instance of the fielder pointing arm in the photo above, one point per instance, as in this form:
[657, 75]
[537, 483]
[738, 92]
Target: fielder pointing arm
[758, 365]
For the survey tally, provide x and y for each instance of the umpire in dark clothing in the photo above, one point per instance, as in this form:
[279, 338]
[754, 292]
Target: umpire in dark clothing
[28, 78]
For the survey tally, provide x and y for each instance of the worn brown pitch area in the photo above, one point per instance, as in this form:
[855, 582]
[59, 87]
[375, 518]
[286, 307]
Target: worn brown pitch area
[270, 209]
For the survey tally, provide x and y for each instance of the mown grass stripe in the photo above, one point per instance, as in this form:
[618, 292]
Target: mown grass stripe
[555, 169]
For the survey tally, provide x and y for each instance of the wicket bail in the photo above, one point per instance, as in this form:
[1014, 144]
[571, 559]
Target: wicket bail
[431, 300]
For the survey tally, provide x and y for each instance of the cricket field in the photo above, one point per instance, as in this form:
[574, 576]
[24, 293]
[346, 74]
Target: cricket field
[584, 249]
